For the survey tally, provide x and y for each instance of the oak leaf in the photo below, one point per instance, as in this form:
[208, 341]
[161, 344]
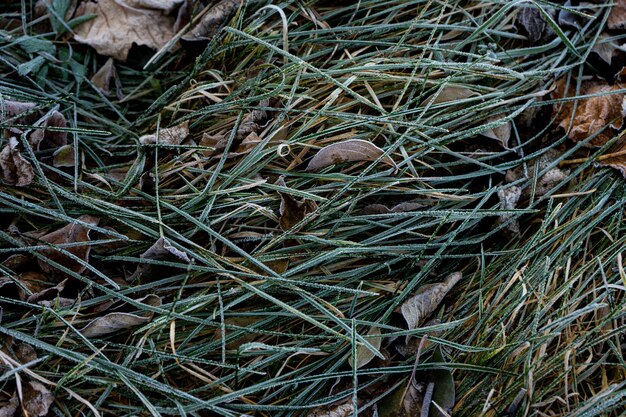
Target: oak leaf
[588, 116]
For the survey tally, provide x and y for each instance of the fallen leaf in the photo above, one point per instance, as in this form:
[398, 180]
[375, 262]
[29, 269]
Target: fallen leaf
[14, 168]
[163, 248]
[25, 353]
[404, 401]
[535, 24]
[292, 210]
[352, 150]
[501, 133]
[44, 138]
[114, 322]
[591, 114]
[342, 410]
[604, 49]
[617, 18]
[103, 77]
[209, 24]
[10, 108]
[615, 157]
[9, 408]
[547, 181]
[121, 23]
[69, 234]
[398, 208]
[36, 399]
[450, 93]
[444, 391]
[509, 197]
[417, 308]
[47, 294]
[64, 157]
[169, 136]
[363, 354]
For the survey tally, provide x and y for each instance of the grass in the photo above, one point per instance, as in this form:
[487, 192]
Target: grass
[262, 321]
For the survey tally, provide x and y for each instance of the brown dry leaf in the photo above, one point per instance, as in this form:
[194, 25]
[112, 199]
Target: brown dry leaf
[103, 77]
[363, 354]
[509, 197]
[535, 24]
[545, 182]
[9, 408]
[47, 294]
[208, 25]
[14, 168]
[44, 138]
[71, 233]
[121, 23]
[501, 133]
[163, 249]
[352, 150]
[342, 410]
[616, 157]
[604, 49]
[25, 353]
[169, 136]
[398, 208]
[617, 18]
[114, 322]
[592, 114]
[10, 108]
[292, 210]
[36, 399]
[426, 300]
[64, 157]
[450, 93]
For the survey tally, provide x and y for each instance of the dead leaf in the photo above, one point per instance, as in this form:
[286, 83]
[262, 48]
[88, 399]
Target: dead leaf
[209, 24]
[15, 169]
[25, 353]
[363, 354]
[44, 138]
[615, 157]
[342, 410]
[398, 208]
[352, 150]
[10, 108]
[444, 395]
[121, 23]
[404, 401]
[64, 157]
[103, 77]
[450, 93]
[114, 322]
[501, 133]
[71, 233]
[535, 24]
[509, 197]
[617, 18]
[417, 308]
[292, 210]
[591, 114]
[546, 182]
[36, 399]
[604, 49]
[47, 294]
[9, 408]
[163, 248]
[169, 136]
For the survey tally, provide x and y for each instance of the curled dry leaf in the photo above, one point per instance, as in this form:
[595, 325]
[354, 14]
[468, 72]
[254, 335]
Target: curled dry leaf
[120, 23]
[509, 197]
[36, 399]
[352, 150]
[591, 114]
[450, 93]
[14, 168]
[535, 24]
[103, 77]
[617, 18]
[292, 210]
[209, 24]
[114, 322]
[342, 410]
[69, 234]
[547, 181]
[615, 157]
[44, 138]
[163, 249]
[363, 354]
[398, 208]
[9, 408]
[501, 133]
[426, 300]
[47, 294]
[169, 136]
